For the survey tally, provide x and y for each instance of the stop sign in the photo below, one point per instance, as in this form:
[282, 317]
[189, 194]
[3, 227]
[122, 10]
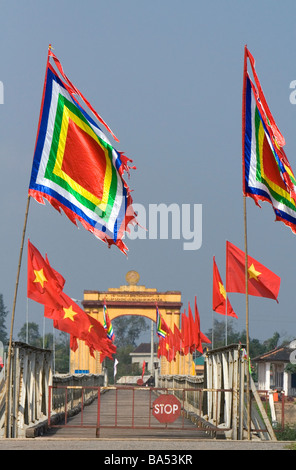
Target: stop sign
[166, 408]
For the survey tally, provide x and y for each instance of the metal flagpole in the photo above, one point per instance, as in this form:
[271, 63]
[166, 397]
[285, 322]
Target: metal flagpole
[27, 322]
[152, 348]
[213, 329]
[226, 319]
[8, 376]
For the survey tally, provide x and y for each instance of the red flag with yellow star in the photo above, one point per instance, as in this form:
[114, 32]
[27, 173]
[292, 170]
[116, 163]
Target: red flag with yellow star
[73, 320]
[261, 281]
[69, 318]
[219, 294]
[97, 339]
[43, 285]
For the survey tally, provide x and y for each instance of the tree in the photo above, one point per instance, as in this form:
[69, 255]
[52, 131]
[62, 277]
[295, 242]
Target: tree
[34, 338]
[272, 343]
[60, 346]
[124, 366]
[233, 337]
[220, 333]
[3, 315]
[127, 329]
[62, 352]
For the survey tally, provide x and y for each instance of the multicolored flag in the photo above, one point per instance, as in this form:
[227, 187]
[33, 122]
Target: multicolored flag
[219, 294]
[267, 174]
[107, 323]
[261, 281]
[75, 167]
[162, 328]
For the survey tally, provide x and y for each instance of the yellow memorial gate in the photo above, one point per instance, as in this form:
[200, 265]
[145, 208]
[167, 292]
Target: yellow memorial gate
[130, 299]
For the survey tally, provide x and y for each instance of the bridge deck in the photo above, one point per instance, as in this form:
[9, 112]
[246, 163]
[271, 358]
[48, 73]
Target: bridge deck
[126, 414]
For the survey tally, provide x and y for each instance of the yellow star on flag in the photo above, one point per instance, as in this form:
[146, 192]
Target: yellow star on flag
[90, 327]
[69, 313]
[253, 274]
[222, 290]
[40, 277]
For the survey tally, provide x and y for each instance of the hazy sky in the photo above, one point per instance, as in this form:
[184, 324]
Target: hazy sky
[167, 77]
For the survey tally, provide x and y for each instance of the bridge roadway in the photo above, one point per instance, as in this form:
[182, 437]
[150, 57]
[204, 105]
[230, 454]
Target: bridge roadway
[133, 419]
[132, 441]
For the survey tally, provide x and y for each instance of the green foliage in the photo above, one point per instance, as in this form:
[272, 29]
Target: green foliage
[62, 353]
[60, 345]
[124, 366]
[235, 337]
[290, 368]
[286, 434]
[32, 330]
[127, 329]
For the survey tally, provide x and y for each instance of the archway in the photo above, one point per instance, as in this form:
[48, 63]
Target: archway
[129, 299]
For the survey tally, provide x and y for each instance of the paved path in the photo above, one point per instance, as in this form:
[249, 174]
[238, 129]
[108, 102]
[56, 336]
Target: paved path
[141, 447]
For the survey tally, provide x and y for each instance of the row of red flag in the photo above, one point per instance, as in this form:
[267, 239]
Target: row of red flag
[262, 282]
[183, 341]
[45, 285]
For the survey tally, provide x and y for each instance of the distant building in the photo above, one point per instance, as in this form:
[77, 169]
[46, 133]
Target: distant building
[199, 363]
[143, 353]
[272, 373]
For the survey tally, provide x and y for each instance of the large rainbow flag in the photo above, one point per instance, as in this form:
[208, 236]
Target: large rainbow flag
[267, 174]
[75, 167]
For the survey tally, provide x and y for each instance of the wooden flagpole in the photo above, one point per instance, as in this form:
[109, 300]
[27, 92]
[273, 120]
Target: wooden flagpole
[247, 323]
[246, 248]
[226, 340]
[8, 374]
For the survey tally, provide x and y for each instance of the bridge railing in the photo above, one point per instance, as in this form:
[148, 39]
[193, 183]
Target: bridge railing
[70, 391]
[31, 374]
[219, 396]
[31, 378]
